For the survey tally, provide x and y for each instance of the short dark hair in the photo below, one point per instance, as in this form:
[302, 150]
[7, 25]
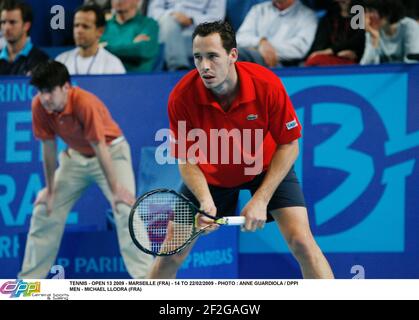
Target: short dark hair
[100, 16]
[25, 9]
[223, 28]
[393, 10]
[49, 74]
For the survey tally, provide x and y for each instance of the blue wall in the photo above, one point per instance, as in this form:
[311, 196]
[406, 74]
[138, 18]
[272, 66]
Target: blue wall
[357, 166]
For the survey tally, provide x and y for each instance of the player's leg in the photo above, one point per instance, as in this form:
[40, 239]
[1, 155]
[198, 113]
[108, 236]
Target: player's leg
[294, 225]
[225, 200]
[287, 208]
[45, 231]
[167, 267]
[137, 262]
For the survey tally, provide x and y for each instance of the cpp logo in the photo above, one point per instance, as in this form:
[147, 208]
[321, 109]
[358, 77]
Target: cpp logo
[354, 190]
[17, 288]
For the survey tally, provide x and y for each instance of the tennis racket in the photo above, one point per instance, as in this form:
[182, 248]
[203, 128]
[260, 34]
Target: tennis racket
[162, 222]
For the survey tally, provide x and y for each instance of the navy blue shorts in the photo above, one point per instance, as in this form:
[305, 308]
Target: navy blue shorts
[288, 194]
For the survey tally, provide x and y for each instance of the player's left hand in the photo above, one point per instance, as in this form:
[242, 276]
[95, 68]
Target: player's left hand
[255, 212]
[202, 221]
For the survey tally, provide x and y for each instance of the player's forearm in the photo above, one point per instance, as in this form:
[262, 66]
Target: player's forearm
[195, 181]
[281, 163]
[105, 161]
[49, 153]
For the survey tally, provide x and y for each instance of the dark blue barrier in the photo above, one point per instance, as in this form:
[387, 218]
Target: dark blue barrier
[357, 165]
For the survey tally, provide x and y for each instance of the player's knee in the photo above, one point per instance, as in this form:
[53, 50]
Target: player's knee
[303, 246]
[123, 211]
[40, 210]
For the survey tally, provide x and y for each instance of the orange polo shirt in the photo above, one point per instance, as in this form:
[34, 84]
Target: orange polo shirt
[261, 104]
[84, 119]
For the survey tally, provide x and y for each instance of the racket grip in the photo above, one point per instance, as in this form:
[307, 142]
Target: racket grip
[235, 220]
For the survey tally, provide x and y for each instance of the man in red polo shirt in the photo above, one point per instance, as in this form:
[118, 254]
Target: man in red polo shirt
[97, 152]
[229, 108]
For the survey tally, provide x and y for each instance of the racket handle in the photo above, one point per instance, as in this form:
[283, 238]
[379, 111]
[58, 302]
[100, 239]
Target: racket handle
[235, 220]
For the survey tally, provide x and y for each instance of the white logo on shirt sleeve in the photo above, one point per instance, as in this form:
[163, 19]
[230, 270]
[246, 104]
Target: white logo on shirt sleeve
[292, 124]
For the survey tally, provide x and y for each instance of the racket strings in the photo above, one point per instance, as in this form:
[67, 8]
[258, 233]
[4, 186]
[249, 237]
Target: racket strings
[163, 222]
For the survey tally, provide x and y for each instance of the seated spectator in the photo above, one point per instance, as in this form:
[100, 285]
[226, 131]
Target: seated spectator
[132, 37]
[177, 20]
[336, 42]
[19, 56]
[277, 32]
[390, 36]
[89, 57]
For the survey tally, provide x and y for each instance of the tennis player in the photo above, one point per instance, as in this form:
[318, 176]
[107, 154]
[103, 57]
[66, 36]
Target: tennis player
[97, 152]
[223, 94]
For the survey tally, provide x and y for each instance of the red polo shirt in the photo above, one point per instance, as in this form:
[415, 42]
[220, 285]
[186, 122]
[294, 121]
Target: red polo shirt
[261, 108]
[84, 119]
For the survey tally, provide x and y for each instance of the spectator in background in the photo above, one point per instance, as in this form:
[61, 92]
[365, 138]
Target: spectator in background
[336, 42]
[277, 32]
[89, 57]
[390, 36]
[96, 152]
[177, 20]
[19, 56]
[132, 37]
